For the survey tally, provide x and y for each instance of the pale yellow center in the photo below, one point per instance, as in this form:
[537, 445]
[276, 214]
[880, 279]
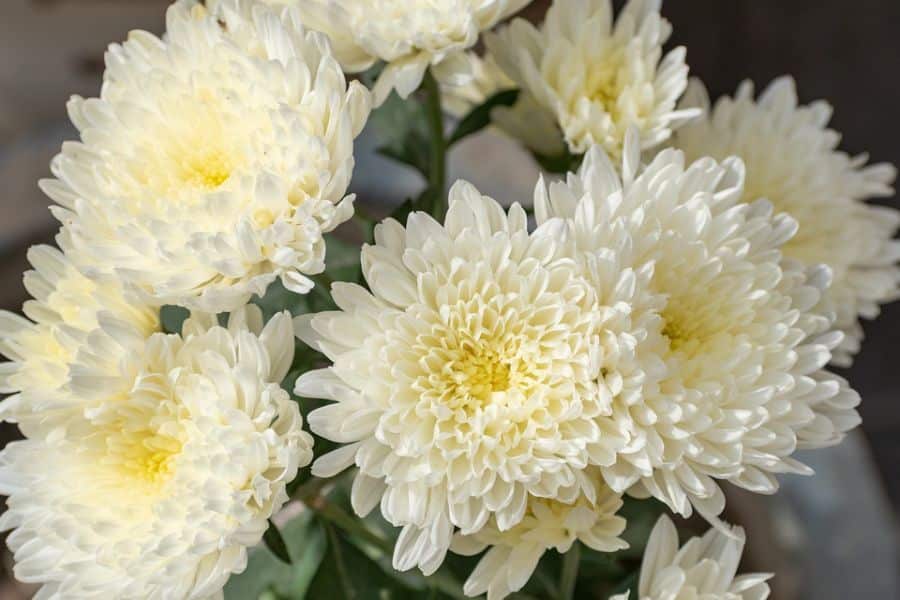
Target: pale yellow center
[479, 373]
[678, 332]
[206, 170]
[689, 323]
[603, 88]
[140, 438]
[146, 455]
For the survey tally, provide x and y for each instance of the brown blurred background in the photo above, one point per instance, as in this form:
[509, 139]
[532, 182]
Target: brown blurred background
[833, 536]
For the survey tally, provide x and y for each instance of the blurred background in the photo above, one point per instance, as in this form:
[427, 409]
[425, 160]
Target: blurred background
[829, 537]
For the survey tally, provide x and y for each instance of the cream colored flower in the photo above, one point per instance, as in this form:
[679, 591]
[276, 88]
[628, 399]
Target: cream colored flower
[547, 524]
[792, 160]
[409, 35]
[466, 381]
[65, 314]
[213, 160]
[703, 568]
[596, 78]
[728, 338]
[157, 490]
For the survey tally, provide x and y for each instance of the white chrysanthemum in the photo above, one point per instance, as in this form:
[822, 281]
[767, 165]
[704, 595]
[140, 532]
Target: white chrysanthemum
[728, 345]
[65, 317]
[409, 35]
[467, 380]
[524, 120]
[157, 491]
[547, 524]
[595, 78]
[704, 568]
[792, 160]
[213, 160]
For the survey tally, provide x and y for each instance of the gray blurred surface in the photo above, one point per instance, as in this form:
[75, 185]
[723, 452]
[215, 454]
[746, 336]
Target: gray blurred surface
[845, 542]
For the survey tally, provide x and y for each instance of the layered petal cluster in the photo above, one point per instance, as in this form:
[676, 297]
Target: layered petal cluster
[728, 343]
[596, 77]
[792, 160]
[468, 380]
[408, 35]
[514, 553]
[65, 319]
[157, 490]
[704, 567]
[213, 160]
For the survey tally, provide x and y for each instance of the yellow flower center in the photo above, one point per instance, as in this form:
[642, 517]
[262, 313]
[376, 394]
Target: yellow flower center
[604, 83]
[147, 456]
[206, 170]
[140, 439]
[678, 332]
[479, 373]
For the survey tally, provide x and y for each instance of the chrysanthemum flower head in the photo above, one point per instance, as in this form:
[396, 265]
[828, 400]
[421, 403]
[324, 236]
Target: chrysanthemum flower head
[792, 160]
[408, 35]
[595, 77]
[548, 524]
[466, 380]
[156, 492]
[65, 317]
[704, 567]
[213, 160]
[728, 342]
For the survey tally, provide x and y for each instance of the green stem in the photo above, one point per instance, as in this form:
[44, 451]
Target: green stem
[341, 567]
[366, 223]
[438, 164]
[309, 490]
[547, 583]
[350, 524]
[310, 494]
[569, 573]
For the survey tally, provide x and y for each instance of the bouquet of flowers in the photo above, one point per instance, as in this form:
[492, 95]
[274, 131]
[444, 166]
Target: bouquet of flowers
[506, 402]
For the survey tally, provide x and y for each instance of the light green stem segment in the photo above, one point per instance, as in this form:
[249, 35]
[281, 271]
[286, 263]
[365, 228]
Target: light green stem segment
[437, 176]
[569, 572]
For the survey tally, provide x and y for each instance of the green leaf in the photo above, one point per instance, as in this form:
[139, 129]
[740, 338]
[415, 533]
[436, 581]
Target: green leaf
[627, 584]
[342, 259]
[267, 577]
[402, 127]
[600, 565]
[347, 573]
[480, 116]
[641, 516]
[275, 543]
[413, 152]
[278, 298]
[562, 163]
[172, 317]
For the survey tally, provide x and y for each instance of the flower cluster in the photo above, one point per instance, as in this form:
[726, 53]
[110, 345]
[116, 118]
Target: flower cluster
[496, 383]
[213, 161]
[165, 471]
[646, 338]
